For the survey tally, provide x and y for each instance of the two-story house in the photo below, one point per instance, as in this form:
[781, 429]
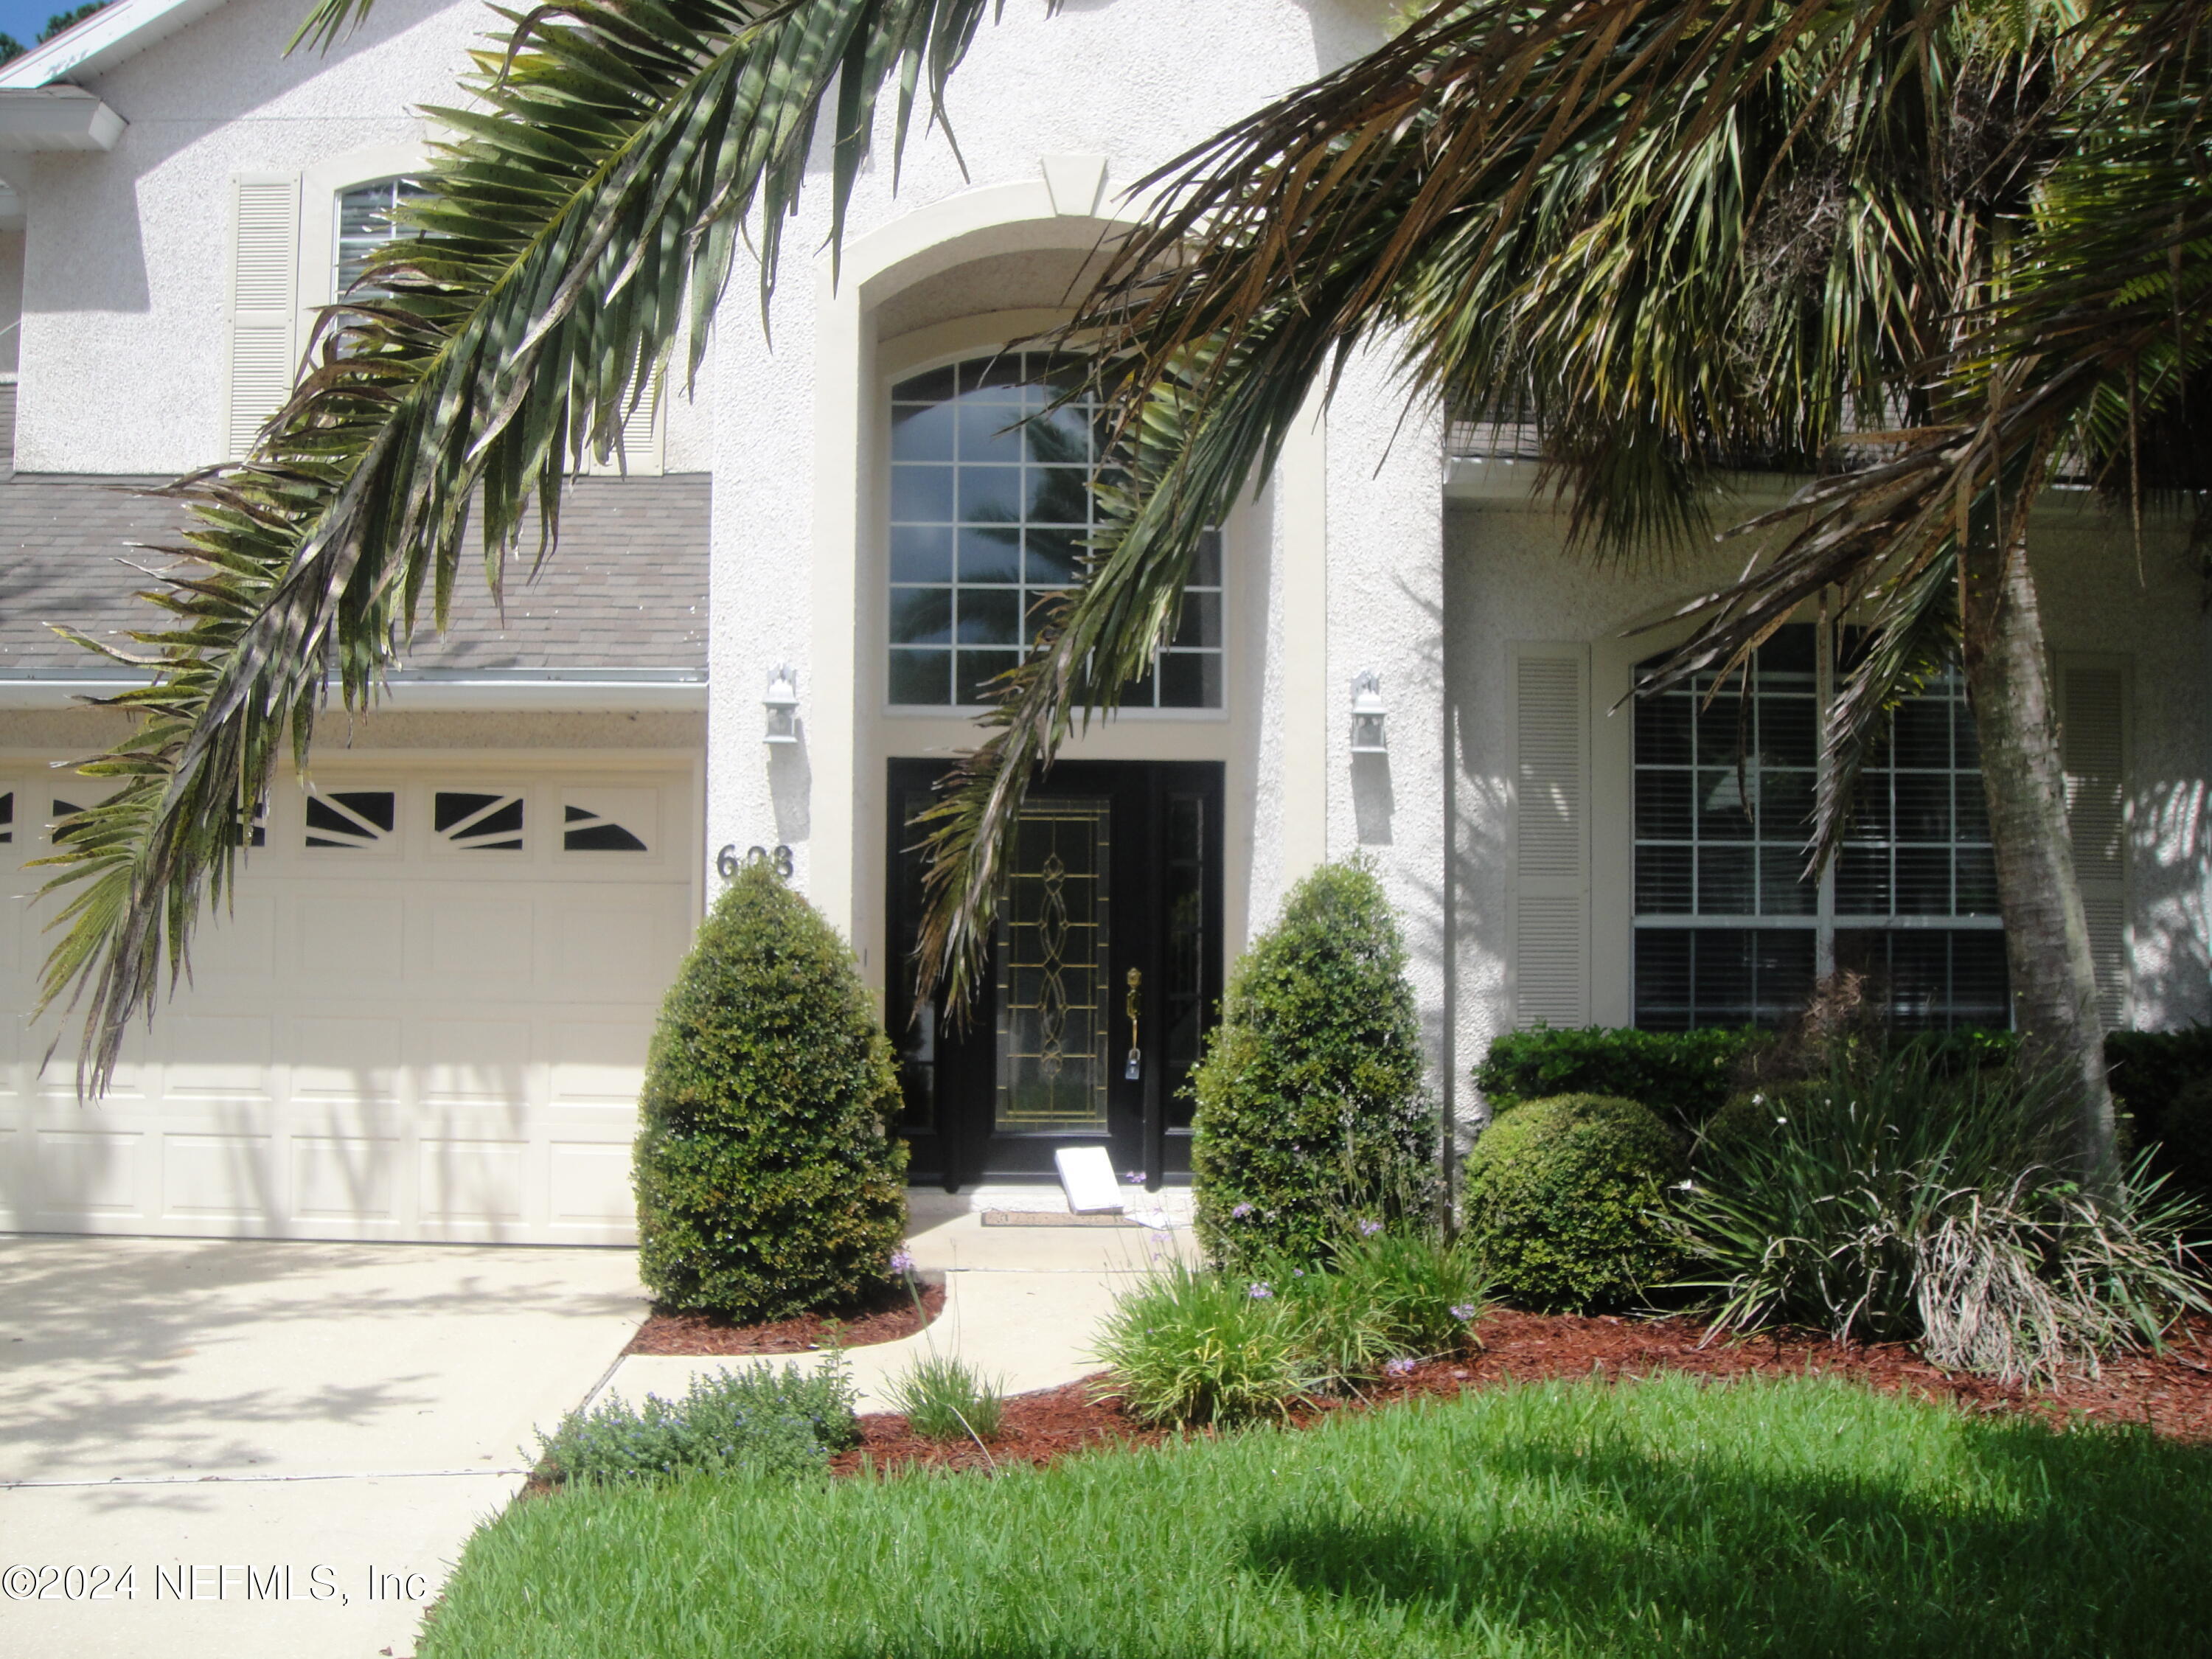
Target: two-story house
[426, 1015]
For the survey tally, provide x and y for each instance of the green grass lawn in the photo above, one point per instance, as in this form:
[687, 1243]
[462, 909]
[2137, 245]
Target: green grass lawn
[1787, 1518]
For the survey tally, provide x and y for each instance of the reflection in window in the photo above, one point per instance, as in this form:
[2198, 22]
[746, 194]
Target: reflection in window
[1728, 928]
[366, 221]
[991, 511]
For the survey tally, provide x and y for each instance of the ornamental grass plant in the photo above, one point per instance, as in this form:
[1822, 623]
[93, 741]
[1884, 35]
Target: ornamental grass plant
[1201, 1345]
[945, 1398]
[1195, 1346]
[1899, 1198]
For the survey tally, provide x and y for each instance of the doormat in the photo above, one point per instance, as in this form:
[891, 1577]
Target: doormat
[1056, 1218]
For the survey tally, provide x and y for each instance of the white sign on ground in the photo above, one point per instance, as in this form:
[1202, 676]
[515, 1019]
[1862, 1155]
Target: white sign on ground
[1086, 1174]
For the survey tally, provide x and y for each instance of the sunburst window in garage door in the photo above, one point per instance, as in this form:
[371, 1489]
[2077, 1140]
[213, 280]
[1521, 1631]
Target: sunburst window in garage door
[610, 820]
[469, 819]
[357, 819]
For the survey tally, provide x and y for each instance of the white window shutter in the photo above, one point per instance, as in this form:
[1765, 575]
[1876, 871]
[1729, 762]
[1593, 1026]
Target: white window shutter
[265, 263]
[2092, 702]
[1551, 920]
[641, 455]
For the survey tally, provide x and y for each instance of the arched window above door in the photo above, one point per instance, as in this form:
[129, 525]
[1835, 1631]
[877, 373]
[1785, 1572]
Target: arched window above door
[991, 511]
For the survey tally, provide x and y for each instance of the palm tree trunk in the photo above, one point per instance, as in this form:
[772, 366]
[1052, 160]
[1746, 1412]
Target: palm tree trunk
[2054, 986]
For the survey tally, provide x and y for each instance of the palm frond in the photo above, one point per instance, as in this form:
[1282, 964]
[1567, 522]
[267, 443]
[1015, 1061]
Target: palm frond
[574, 220]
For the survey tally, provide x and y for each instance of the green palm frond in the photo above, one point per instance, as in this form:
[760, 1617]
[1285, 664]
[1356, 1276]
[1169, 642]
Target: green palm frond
[578, 217]
[1682, 239]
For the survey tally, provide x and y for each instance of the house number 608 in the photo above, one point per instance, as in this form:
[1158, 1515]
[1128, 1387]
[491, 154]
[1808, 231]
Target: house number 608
[726, 861]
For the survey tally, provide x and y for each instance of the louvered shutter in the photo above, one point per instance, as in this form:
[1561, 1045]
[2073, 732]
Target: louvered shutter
[1551, 835]
[2092, 748]
[265, 266]
[641, 455]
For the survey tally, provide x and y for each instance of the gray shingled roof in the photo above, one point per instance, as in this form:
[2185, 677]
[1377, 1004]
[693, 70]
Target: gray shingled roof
[626, 590]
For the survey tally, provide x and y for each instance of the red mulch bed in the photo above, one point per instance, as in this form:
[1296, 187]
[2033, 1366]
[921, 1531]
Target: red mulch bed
[885, 1317]
[2171, 1393]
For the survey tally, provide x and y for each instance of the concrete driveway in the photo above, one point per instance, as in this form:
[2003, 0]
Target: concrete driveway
[283, 1445]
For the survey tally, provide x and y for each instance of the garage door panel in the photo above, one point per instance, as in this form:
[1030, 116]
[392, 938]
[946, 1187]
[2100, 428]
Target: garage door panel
[466, 1060]
[590, 1184]
[488, 942]
[598, 1062]
[233, 1176]
[336, 1178]
[238, 943]
[339, 1057]
[91, 1174]
[226, 1055]
[408, 1032]
[472, 1180]
[602, 945]
[352, 939]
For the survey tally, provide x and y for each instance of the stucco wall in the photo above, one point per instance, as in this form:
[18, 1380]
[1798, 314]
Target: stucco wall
[127, 252]
[1509, 579]
[1131, 81]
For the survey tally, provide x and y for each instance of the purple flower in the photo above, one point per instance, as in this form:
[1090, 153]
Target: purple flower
[1464, 1311]
[1401, 1366]
[1369, 1228]
[1297, 1273]
[1261, 1290]
[1240, 1213]
[1134, 1178]
[901, 1261]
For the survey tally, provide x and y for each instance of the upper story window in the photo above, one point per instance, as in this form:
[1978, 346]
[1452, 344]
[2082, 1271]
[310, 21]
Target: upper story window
[365, 221]
[990, 512]
[1729, 930]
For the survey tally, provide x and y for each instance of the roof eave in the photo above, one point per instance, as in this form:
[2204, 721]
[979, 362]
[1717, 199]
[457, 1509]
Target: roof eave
[104, 39]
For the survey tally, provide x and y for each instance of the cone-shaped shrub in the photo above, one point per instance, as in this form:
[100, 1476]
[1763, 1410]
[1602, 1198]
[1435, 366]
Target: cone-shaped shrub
[1311, 1113]
[768, 1182]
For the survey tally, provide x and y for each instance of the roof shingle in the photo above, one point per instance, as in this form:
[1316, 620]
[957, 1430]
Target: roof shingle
[627, 587]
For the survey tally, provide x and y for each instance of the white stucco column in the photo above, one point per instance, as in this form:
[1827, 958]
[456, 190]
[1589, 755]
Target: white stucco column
[1385, 613]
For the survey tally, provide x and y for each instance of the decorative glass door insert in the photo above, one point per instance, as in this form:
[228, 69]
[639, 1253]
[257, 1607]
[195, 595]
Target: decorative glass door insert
[1054, 977]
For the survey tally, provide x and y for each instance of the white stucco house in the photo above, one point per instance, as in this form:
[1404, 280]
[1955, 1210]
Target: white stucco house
[426, 1017]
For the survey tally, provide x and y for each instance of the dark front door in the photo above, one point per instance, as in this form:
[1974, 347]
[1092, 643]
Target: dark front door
[1105, 973]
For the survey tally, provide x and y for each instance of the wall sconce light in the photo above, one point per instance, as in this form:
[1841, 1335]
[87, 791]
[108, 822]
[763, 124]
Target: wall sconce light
[782, 704]
[1367, 713]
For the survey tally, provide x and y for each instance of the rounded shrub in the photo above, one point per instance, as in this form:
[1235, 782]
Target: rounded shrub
[768, 1183]
[1563, 1198]
[1311, 1113]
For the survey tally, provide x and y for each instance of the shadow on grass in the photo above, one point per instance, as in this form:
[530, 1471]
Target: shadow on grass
[2089, 1543]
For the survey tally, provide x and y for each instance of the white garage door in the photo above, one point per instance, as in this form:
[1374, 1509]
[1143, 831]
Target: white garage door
[426, 1019]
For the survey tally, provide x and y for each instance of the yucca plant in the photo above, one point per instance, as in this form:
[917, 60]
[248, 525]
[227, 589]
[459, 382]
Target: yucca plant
[1191, 1346]
[1902, 1199]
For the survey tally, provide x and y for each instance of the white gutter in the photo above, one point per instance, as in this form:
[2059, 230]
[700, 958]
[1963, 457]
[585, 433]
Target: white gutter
[56, 117]
[623, 691]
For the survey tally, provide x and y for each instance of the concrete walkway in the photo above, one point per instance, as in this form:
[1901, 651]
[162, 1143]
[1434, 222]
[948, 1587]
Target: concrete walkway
[284, 1445]
[1023, 1306]
[199, 1412]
